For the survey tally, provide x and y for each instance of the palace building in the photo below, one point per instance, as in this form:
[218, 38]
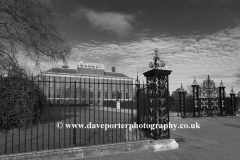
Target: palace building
[87, 84]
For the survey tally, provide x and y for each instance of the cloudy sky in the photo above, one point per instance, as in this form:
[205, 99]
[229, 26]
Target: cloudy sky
[195, 38]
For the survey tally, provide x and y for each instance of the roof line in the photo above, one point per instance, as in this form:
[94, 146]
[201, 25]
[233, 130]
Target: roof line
[86, 75]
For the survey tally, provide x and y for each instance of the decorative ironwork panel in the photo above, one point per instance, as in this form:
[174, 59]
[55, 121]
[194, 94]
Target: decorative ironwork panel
[151, 99]
[216, 110]
[157, 90]
[204, 107]
[211, 98]
[208, 89]
[209, 107]
[158, 95]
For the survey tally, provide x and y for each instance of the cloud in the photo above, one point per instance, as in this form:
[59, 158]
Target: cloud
[216, 54]
[117, 23]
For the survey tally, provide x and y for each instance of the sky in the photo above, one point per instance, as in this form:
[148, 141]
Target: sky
[195, 38]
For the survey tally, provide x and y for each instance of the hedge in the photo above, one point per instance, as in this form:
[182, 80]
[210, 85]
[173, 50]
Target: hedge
[21, 103]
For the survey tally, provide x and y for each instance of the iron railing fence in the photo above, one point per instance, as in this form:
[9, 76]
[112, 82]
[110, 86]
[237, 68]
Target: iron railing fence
[174, 105]
[32, 109]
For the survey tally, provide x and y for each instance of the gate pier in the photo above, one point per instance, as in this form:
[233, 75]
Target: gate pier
[233, 107]
[222, 99]
[182, 107]
[195, 87]
[157, 79]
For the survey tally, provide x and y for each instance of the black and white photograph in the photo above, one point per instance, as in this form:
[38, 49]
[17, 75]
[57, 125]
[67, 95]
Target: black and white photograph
[119, 79]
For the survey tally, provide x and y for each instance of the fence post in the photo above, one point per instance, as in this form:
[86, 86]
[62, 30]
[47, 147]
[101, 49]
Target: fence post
[221, 98]
[139, 114]
[195, 87]
[158, 97]
[233, 106]
[182, 106]
[75, 110]
[1, 95]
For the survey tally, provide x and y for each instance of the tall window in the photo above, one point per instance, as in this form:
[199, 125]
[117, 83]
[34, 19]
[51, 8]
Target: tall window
[91, 94]
[99, 94]
[113, 95]
[67, 94]
[50, 93]
[91, 86]
[113, 87]
[91, 102]
[127, 96]
[58, 94]
[127, 86]
[51, 82]
[105, 87]
[77, 84]
[106, 95]
[67, 84]
[83, 101]
[83, 94]
[82, 85]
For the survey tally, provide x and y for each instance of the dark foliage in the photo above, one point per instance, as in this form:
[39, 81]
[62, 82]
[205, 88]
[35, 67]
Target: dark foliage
[22, 103]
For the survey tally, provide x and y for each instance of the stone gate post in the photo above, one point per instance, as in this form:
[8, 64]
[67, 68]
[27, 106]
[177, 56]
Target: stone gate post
[158, 97]
[182, 95]
[196, 103]
[233, 106]
[221, 102]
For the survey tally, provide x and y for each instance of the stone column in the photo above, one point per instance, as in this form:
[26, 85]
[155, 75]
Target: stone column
[221, 101]
[182, 95]
[196, 103]
[158, 105]
[233, 106]
[158, 98]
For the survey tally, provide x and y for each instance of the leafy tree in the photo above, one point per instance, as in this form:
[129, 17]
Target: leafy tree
[175, 93]
[175, 98]
[238, 94]
[27, 31]
[189, 90]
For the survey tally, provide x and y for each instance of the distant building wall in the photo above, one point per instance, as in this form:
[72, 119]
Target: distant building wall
[92, 86]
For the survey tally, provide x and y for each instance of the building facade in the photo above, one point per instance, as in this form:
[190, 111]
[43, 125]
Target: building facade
[88, 84]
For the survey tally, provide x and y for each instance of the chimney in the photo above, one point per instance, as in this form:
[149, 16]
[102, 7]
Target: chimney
[113, 69]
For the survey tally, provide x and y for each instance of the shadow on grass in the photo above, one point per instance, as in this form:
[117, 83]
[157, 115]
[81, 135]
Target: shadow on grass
[47, 136]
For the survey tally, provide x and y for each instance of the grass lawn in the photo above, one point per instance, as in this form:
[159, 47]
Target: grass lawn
[47, 136]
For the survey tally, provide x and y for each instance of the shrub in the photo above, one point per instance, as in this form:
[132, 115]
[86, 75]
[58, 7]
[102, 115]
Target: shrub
[21, 103]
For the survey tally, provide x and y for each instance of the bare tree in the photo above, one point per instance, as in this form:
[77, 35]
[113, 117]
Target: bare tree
[27, 31]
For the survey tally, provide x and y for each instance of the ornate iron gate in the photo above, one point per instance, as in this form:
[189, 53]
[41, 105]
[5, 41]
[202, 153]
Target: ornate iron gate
[208, 100]
[208, 96]
[209, 107]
